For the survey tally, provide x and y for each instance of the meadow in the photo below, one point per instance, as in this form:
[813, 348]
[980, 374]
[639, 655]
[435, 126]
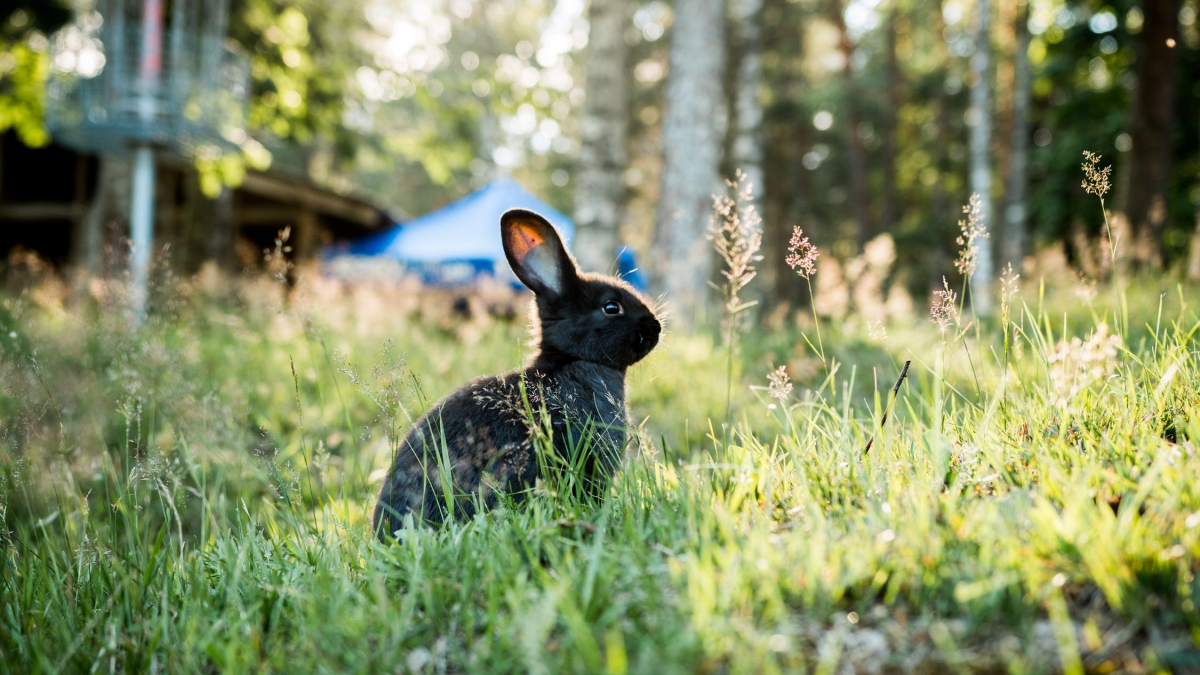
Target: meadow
[194, 496]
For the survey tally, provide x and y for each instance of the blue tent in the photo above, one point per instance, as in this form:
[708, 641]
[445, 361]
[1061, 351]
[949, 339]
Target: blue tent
[452, 245]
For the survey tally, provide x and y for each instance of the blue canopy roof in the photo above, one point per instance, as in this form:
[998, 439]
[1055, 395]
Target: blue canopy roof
[468, 229]
[454, 244]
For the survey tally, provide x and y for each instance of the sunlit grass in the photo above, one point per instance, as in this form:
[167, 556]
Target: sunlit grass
[196, 497]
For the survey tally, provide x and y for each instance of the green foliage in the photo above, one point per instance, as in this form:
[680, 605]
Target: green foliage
[25, 66]
[195, 497]
[300, 60]
[25, 70]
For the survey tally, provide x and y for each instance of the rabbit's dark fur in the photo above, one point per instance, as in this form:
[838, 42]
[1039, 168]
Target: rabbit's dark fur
[481, 433]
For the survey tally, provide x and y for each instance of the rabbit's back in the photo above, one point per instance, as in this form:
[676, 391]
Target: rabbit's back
[474, 430]
[481, 434]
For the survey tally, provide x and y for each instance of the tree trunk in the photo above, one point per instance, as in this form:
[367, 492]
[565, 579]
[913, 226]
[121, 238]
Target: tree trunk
[747, 145]
[599, 186]
[206, 228]
[1143, 199]
[692, 132]
[106, 216]
[784, 144]
[222, 243]
[889, 215]
[938, 199]
[980, 117]
[857, 159]
[1016, 211]
[1193, 264]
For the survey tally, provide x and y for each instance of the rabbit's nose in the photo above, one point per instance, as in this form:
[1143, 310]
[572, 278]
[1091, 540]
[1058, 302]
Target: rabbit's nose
[651, 327]
[648, 332]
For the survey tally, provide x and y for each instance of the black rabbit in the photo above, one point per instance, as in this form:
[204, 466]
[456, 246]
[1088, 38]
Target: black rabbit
[590, 329]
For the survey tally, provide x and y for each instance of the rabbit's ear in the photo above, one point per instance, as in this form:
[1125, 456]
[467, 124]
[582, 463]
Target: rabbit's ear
[536, 253]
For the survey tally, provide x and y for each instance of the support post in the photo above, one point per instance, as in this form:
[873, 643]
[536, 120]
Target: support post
[141, 229]
[142, 211]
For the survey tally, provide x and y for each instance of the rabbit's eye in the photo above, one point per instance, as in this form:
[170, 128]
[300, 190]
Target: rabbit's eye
[612, 308]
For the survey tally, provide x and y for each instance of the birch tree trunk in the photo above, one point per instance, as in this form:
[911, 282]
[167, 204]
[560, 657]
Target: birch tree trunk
[1143, 188]
[692, 132]
[747, 145]
[599, 185]
[1016, 211]
[980, 117]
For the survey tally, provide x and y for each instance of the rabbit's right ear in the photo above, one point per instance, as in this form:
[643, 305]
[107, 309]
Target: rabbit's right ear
[536, 253]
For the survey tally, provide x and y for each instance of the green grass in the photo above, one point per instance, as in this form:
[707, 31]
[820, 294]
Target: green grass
[195, 498]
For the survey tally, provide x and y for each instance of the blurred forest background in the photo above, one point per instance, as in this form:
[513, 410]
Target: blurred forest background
[851, 118]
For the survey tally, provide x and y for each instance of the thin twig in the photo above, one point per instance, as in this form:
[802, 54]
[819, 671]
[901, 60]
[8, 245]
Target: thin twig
[895, 393]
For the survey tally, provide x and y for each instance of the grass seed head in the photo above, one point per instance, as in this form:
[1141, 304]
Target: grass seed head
[944, 311]
[802, 254]
[736, 233]
[972, 229]
[1095, 177]
[1009, 286]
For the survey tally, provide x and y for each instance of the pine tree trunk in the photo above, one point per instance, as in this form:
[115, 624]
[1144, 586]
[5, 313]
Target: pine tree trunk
[207, 231]
[857, 158]
[105, 225]
[784, 144]
[692, 132]
[1148, 169]
[1016, 211]
[599, 186]
[1193, 265]
[889, 214]
[980, 117]
[938, 199]
[747, 145]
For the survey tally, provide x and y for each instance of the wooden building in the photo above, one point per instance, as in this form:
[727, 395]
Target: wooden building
[50, 203]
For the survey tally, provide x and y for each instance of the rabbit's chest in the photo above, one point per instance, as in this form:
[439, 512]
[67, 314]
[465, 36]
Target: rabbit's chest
[593, 396]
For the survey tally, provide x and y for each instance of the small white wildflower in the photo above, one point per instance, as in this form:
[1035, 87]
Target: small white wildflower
[417, 659]
[876, 330]
[1085, 289]
[781, 384]
[1077, 365]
